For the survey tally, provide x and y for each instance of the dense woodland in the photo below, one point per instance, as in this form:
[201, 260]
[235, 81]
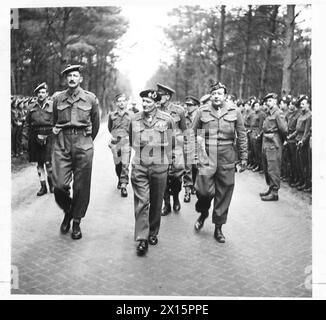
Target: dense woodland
[252, 49]
[50, 38]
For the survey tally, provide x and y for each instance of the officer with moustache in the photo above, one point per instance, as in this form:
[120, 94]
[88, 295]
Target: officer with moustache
[39, 122]
[219, 124]
[76, 123]
[174, 183]
[151, 133]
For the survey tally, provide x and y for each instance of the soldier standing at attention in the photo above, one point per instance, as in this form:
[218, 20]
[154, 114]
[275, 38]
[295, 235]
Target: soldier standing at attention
[189, 176]
[274, 131]
[119, 123]
[151, 133]
[39, 123]
[220, 123]
[176, 171]
[76, 123]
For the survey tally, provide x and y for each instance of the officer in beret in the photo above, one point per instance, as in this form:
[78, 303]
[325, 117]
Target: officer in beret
[302, 135]
[76, 123]
[189, 177]
[219, 124]
[151, 133]
[274, 133]
[290, 142]
[118, 124]
[39, 123]
[176, 171]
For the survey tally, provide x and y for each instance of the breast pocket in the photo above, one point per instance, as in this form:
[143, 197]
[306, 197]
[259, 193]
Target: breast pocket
[83, 113]
[160, 136]
[64, 115]
[208, 123]
[227, 125]
[47, 115]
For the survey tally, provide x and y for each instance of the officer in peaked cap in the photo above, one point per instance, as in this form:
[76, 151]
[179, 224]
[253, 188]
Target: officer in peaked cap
[118, 125]
[176, 171]
[76, 123]
[189, 177]
[151, 133]
[218, 124]
[274, 132]
[39, 121]
[205, 99]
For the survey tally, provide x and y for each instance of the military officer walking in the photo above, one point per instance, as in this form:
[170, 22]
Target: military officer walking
[274, 132]
[219, 123]
[151, 137]
[176, 171]
[76, 124]
[189, 176]
[39, 122]
[119, 123]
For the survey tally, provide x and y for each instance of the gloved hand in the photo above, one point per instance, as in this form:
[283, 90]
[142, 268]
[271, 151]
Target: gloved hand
[243, 165]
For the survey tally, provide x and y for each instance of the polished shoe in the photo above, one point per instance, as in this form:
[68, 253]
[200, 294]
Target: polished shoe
[292, 184]
[187, 197]
[273, 196]
[297, 184]
[250, 167]
[43, 189]
[256, 169]
[119, 185]
[308, 190]
[285, 179]
[76, 232]
[301, 187]
[51, 188]
[218, 235]
[200, 221]
[266, 193]
[142, 247]
[176, 203]
[65, 225]
[152, 240]
[124, 192]
[166, 210]
[261, 172]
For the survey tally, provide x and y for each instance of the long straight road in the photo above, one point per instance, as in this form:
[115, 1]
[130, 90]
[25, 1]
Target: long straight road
[267, 251]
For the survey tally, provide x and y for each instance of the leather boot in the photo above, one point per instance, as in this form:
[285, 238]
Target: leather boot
[301, 187]
[200, 221]
[43, 189]
[51, 188]
[65, 225]
[176, 202]
[76, 232]
[167, 206]
[218, 235]
[273, 196]
[266, 193]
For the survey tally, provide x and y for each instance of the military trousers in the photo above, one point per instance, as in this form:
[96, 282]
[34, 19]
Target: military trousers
[121, 156]
[148, 183]
[293, 164]
[303, 162]
[72, 158]
[215, 180]
[272, 161]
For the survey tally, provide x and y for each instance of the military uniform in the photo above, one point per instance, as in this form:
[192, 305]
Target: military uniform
[76, 124]
[247, 117]
[302, 133]
[174, 183]
[151, 138]
[274, 131]
[215, 179]
[119, 124]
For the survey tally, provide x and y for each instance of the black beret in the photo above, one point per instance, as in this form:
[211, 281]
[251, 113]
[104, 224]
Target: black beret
[71, 68]
[216, 86]
[43, 85]
[191, 100]
[270, 95]
[164, 89]
[152, 94]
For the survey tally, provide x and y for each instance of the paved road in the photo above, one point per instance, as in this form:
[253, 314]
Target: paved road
[267, 252]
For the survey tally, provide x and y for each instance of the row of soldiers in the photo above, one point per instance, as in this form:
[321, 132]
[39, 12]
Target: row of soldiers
[296, 163]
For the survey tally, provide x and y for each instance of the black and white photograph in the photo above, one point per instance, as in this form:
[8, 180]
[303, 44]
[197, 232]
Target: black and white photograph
[163, 150]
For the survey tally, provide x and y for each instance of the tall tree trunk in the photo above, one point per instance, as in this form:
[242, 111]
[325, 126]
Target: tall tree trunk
[288, 52]
[220, 47]
[263, 80]
[245, 60]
